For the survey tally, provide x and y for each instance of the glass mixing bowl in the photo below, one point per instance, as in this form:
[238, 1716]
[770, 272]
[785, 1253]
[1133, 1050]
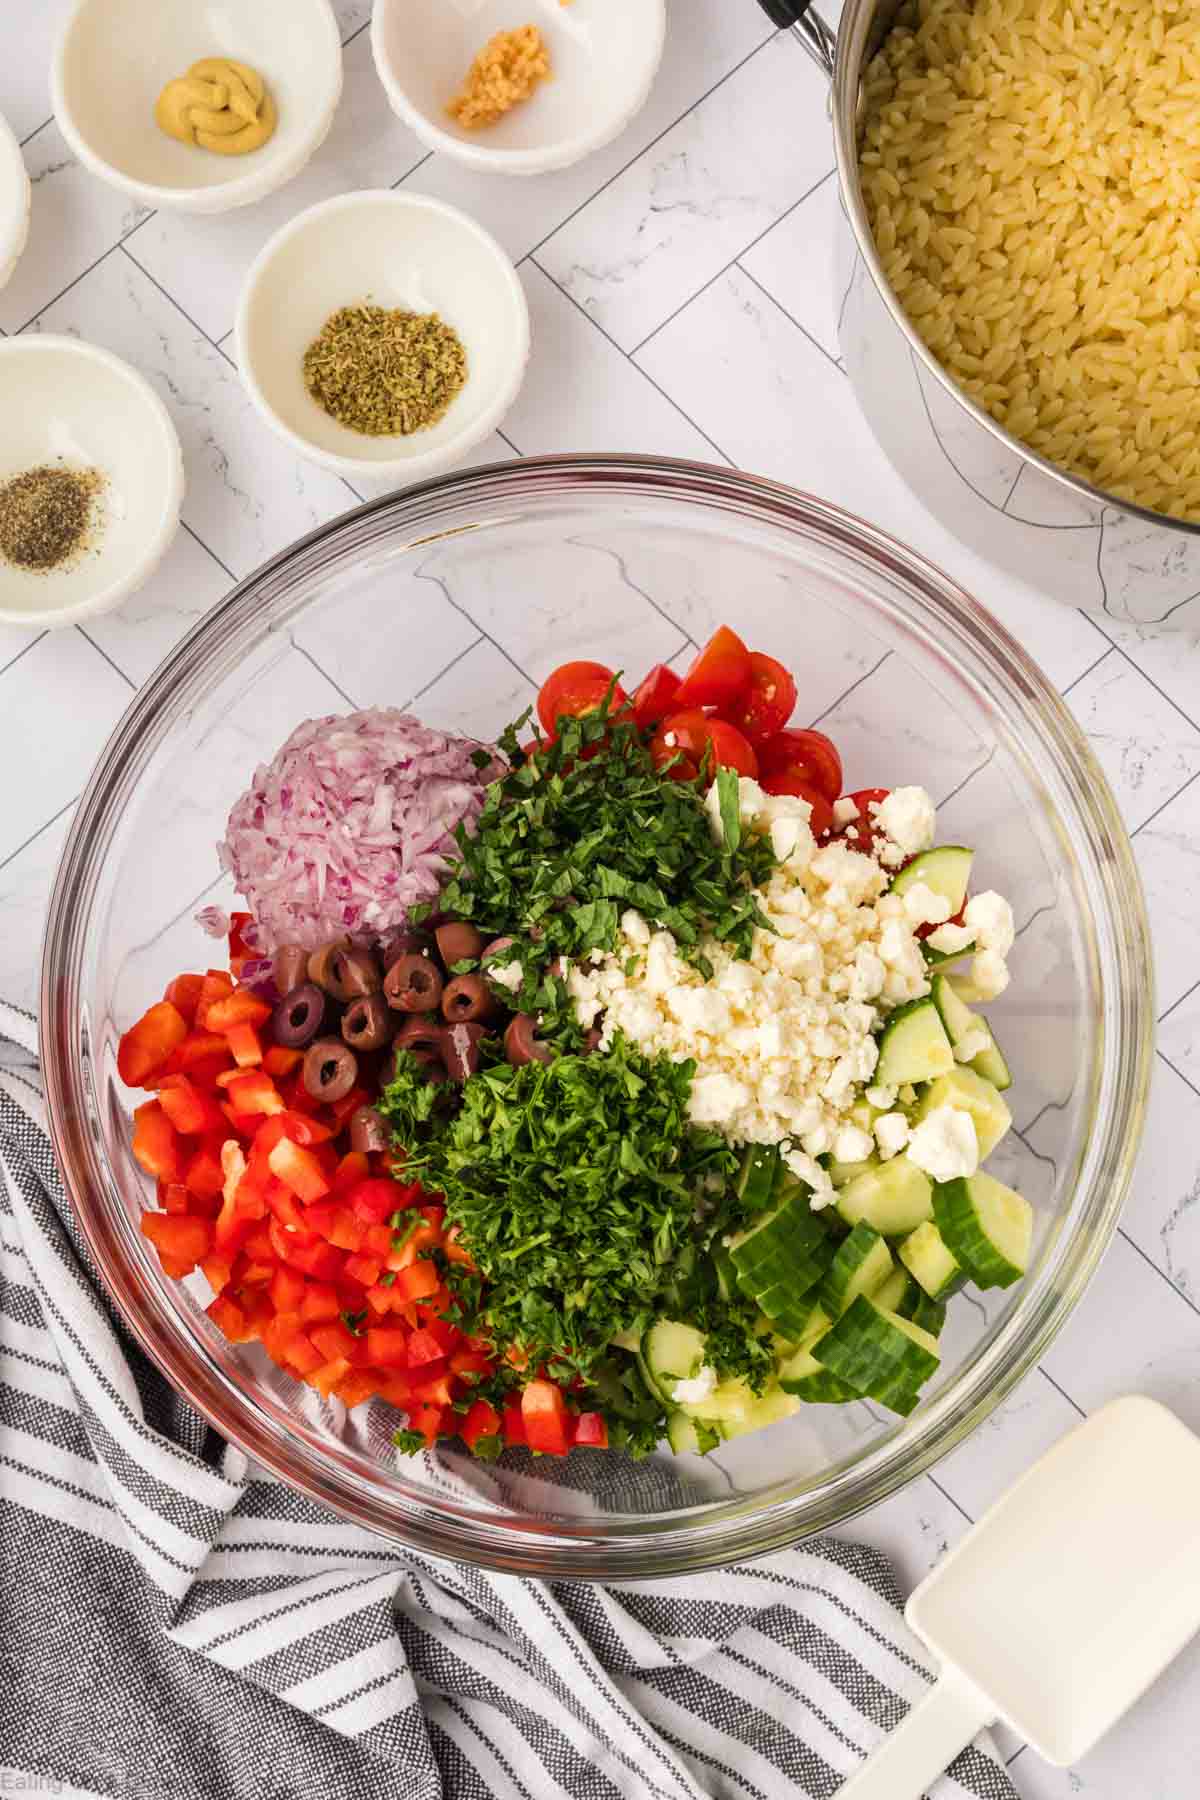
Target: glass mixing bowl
[458, 597]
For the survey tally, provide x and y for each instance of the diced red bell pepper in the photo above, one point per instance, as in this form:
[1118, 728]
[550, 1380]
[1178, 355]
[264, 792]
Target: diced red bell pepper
[245, 1045]
[241, 1007]
[455, 1251]
[387, 1346]
[202, 1175]
[429, 1421]
[547, 1422]
[417, 1282]
[375, 1200]
[217, 1268]
[184, 994]
[173, 1197]
[230, 1318]
[317, 1259]
[329, 1375]
[465, 1361]
[357, 1386]
[287, 1209]
[279, 1060]
[364, 1269]
[216, 986]
[334, 1339]
[190, 1110]
[156, 1142]
[239, 949]
[302, 1355]
[320, 1305]
[444, 1333]
[345, 1230]
[513, 1421]
[482, 1421]
[202, 1055]
[254, 1092]
[377, 1241]
[397, 1389]
[287, 1289]
[435, 1388]
[146, 1046]
[298, 1169]
[592, 1428]
[184, 1240]
[383, 1300]
[423, 1349]
[279, 1334]
[293, 1125]
[353, 1168]
[345, 1108]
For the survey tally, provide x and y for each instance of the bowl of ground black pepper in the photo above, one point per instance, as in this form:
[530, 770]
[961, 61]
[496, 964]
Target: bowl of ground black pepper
[384, 335]
[91, 481]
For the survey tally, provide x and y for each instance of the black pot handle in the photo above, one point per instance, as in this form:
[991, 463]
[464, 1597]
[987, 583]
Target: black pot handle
[784, 12]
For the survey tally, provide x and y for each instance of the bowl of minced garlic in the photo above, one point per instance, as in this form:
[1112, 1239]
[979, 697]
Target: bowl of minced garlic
[200, 110]
[558, 79]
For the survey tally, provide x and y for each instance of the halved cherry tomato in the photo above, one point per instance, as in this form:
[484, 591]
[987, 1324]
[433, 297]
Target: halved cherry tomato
[720, 674]
[146, 1046]
[821, 818]
[768, 703]
[861, 832]
[655, 697]
[808, 754]
[687, 735]
[574, 689]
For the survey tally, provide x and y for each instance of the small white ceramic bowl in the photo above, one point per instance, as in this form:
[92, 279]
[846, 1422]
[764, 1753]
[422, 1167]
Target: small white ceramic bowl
[604, 55]
[68, 402]
[386, 249]
[114, 57]
[14, 201]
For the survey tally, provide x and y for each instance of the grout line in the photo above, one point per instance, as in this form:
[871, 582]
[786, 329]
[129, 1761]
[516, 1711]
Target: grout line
[134, 229]
[62, 292]
[947, 1495]
[208, 550]
[1170, 801]
[1186, 1079]
[1161, 692]
[744, 251]
[803, 329]
[34, 835]
[1150, 1262]
[349, 485]
[13, 660]
[1062, 1390]
[167, 295]
[854, 684]
[638, 154]
[970, 776]
[596, 326]
[336, 685]
[357, 32]
[101, 651]
[419, 164]
[34, 132]
[1103, 657]
[1012, 1759]
[505, 439]
[439, 583]
[1179, 1002]
[452, 664]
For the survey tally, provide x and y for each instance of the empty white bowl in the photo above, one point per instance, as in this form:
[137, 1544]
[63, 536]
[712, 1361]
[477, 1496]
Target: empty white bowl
[114, 57]
[70, 403]
[14, 201]
[389, 249]
[604, 55]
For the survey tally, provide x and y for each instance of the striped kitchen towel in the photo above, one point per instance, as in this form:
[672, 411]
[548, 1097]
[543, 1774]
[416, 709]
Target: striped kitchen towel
[173, 1627]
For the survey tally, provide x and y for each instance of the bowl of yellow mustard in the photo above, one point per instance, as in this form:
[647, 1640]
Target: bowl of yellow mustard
[193, 108]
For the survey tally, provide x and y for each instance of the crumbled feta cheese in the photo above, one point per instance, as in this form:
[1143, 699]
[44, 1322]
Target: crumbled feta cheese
[792, 841]
[634, 929]
[950, 939]
[508, 975]
[991, 918]
[971, 1045]
[891, 1133]
[989, 974]
[944, 1144]
[717, 1099]
[923, 907]
[907, 819]
[700, 1009]
[852, 1145]
[844, 810]
[805, 1169]
[882, 1097]
[695, 1388]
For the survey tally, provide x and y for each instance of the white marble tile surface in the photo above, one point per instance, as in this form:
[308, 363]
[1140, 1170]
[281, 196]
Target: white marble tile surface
[679, 286]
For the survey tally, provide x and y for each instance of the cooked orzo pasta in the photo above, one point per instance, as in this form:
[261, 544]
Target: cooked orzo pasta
[1031, 170]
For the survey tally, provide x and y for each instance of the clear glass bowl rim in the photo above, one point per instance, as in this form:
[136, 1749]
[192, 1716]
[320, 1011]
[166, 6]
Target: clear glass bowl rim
[646, 1547]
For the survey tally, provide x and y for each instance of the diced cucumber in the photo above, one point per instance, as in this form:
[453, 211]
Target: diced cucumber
[863, 1263]
[670, 1352]
[894, 1197]
[764, 1409]
[925, 1256]
[913, 1045]
[961, 1023]
[792, 1315]
[840, 1173]
[941, 959]
[798, 1364]
[727, 1284]
[756, 1177]
[929, 1314]
[820, 1388]
[945, 870]
[963, 1088]
[896, 1293]
[627, 1340]
[989, 1227]
[879, 1355]
[692, 1436]
[786, 1248]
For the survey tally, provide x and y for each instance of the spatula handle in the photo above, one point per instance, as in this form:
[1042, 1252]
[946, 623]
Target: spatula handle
[918, 1751]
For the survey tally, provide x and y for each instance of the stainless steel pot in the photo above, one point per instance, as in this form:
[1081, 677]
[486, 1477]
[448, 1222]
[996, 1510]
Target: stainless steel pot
[1055, 530]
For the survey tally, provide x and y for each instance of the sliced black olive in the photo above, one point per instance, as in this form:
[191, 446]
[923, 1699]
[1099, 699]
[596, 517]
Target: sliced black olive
[466, 999]
[368, 1132]
[497, 947]
[330, 1069]
[320, 960]
[422, 1039]
[458, 943]
[591, 1042]
[353, 973]
[413, 984]
[367, 1023]
[299, 1016]
[291, 967]
[522, 1044]
[460, 1050]
[408, 942]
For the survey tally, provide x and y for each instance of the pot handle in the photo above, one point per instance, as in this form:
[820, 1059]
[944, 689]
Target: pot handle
[818, 38]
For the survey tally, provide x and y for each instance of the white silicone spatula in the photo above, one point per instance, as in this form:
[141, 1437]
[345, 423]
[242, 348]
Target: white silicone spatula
[1062, 1605]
